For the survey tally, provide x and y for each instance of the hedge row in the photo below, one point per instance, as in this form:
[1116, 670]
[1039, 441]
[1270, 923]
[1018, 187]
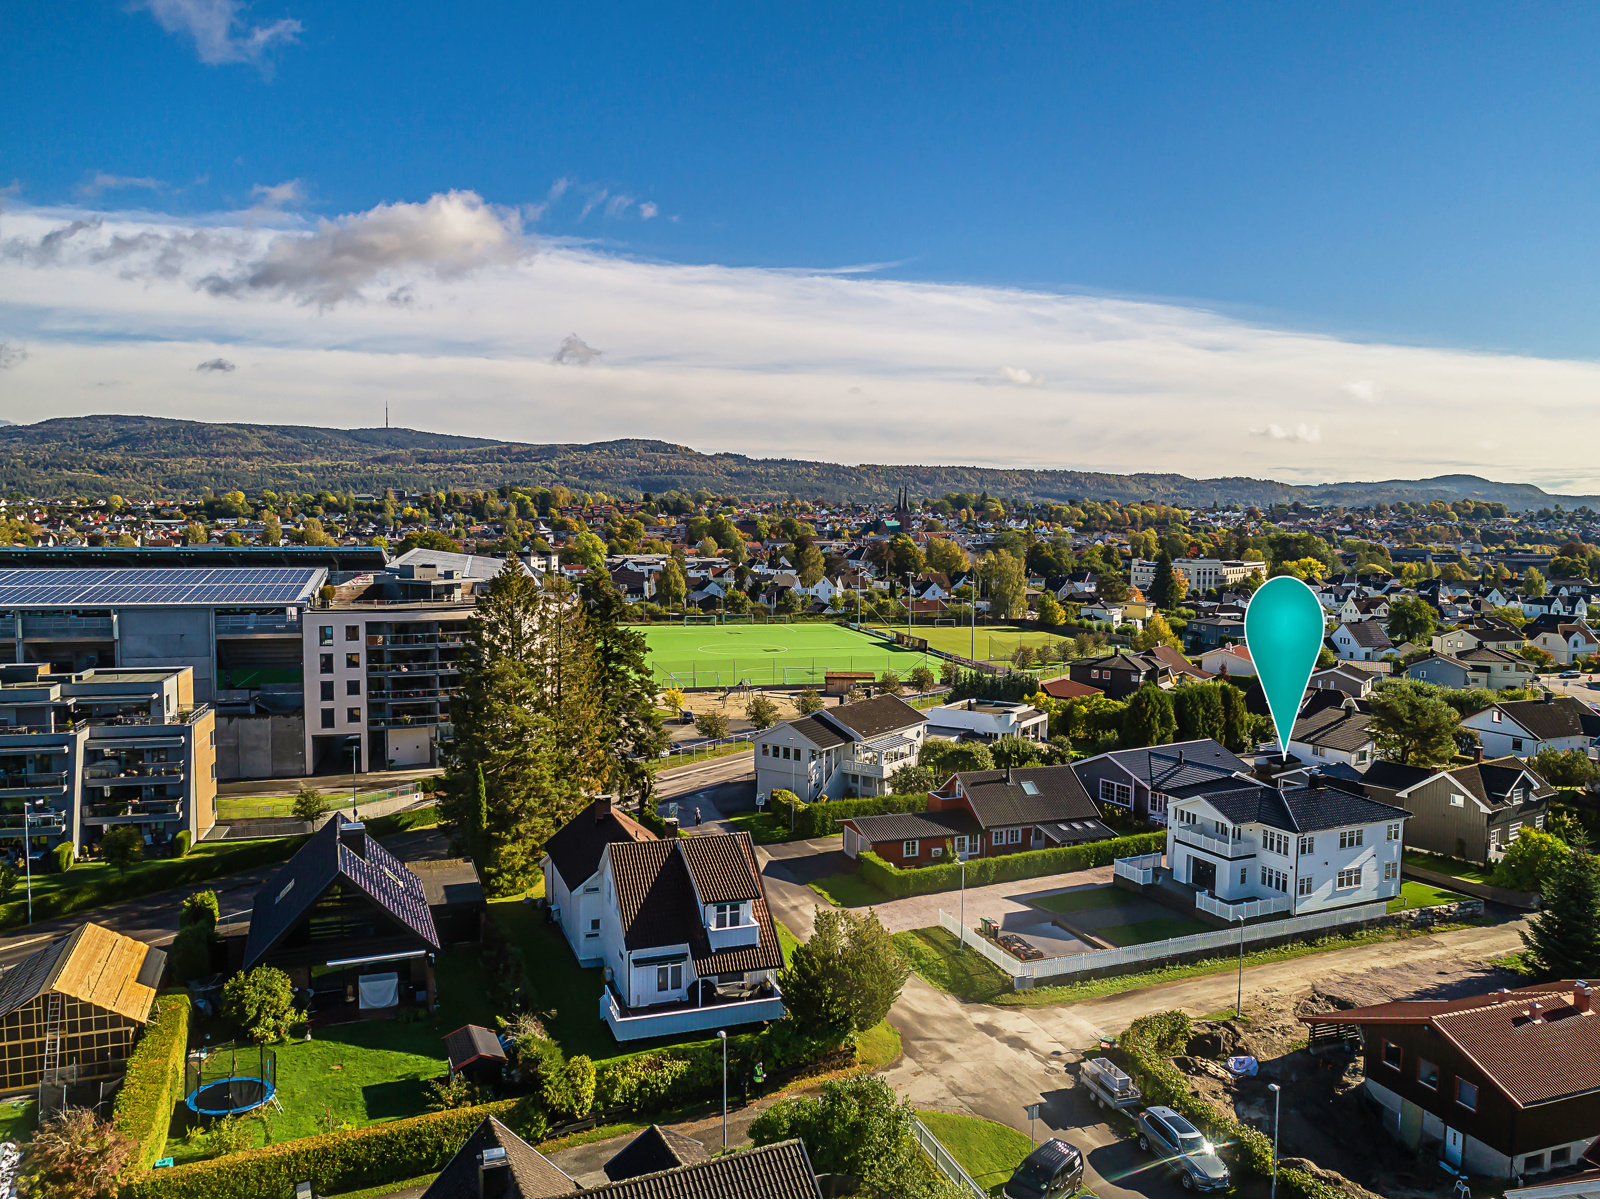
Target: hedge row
[146, 880]
[154, 1082]
[337, 1161]
[1149, 1042]
[1003, 868]
[822, 819]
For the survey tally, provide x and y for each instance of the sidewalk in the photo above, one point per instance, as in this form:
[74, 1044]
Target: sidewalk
[328, 784]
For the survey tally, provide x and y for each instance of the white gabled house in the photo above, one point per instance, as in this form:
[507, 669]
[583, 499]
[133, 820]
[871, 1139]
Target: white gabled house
[1366, 641]
[1524, 727]
[845, 752]
[572, 872]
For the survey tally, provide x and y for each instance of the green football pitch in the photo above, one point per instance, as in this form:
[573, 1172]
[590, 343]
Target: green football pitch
[707, 655]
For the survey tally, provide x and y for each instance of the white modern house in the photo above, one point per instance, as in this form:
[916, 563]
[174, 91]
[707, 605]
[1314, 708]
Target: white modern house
[1334, 735]
[1254, 851]
[844, 752]
[1524, 727]
[572, 872]
[987, 720]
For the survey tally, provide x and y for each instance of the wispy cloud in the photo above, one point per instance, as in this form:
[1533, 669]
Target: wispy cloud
[575, 351]
[1300, 432]
[213, 365]
[276, 197]
[1021, 377]
[648, 210]
[219, 32]
[11, 356]
[1365, 390]
[100, 182]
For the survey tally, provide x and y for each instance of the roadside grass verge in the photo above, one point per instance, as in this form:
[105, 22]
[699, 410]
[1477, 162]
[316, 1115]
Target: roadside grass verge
[988, 1152]
[945, 963]
[657, 765]
[848, 891]
[1086, 899]
[1454, 867]
[787, 941]
[1421, 895]
[763, 828]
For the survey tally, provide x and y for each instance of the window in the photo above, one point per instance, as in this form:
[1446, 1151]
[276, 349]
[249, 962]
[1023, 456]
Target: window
[352, 632]
[1350, 838]
[1158, 803]
[1029, 788]
[325, 635]
[1516, 744]
[1467, 1094]
[727, 914]
[594, 928]
[669, 978]
[1274, 842]
[1244, 875]
[1392, 1055]
[327, 691]
[1319, 751]
[1308, 845]
[1306, 884]
[325, 663]
[999, 836]
[1391, 871]
[1494, 715]
[763, 749]
[352, 661]
[1014, 836]
[786, 753]
[908, 849]
[353, 715]
[352, 686]
[1349, 878]
[1120, 794]
[1428, 1074]
[327, 718]
[1392, 833]
[1457, 801]
[1274, 880]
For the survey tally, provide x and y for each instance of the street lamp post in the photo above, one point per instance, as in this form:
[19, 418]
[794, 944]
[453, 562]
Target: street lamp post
[722, 1035]
[963, 899]
[354, 742]
[1238, 1002]
[1277, 1099]
[909, 576]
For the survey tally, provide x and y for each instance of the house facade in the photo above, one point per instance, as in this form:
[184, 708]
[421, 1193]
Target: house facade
[1334, 735]
[572, 873]
[1118, 675]
[686, 937]
[1566, 641]
[1365, 641]
[1524, 727]
[1505, 1085]
[1469, 812]
[987, 720]
[1141, 782]
[845, 752]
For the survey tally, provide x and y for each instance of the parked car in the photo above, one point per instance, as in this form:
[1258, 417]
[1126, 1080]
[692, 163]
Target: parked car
[1183, 1148]
[1052, 1171]
[1571, 674]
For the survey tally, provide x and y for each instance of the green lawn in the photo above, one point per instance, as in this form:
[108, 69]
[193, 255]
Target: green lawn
[700, 755]
[389, 1188]
[787, 941]
[18, 1119]
[368, 1071]
[878, 1046]
[848, 891]
[256, 807]
[993, 642]
[1422, 895]
[1454, 867]
[987, 1151]
[1086, 899]
[763, 828]
[721, 655]
[1142, 932]
[940, 959]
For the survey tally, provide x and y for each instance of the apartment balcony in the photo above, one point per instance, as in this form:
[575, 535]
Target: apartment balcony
[32, 786]
[393, 668]
[1243, 909]
[1239, 847]
[376, 721]
[401, 640]
[134, 776]
[718, 1010]
[412, 693]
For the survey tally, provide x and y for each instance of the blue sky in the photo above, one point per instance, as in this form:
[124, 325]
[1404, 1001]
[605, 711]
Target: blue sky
[1384, 175]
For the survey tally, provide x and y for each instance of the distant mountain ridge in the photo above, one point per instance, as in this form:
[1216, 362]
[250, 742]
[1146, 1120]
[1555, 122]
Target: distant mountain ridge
[142, 457]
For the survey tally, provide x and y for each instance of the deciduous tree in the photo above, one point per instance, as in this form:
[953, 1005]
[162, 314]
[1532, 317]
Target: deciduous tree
[1412, 727]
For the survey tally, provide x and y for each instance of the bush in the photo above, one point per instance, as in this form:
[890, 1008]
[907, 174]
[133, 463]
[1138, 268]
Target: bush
[822, 819]
[261, 1002]
[711, 724]
[809, 701]
[200, 908]
[182, 842]
[76, 1154]
[310, 804]
[1529, 861]
[190, 955]
[61, 858]
[1031, 863]
[121, 847]
[338, 1161]
[154, 1082]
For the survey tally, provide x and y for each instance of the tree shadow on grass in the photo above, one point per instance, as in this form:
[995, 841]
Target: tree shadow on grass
[392, 1100]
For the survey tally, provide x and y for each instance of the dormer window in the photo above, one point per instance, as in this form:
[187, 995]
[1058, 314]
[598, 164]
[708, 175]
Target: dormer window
[727, 915]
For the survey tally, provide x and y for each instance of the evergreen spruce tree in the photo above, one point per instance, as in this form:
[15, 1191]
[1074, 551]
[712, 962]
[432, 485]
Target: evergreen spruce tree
[1563, 938]
[632, 730]
[1198, 709]
[1149, 719]
[1235, 718]
[1164, 588]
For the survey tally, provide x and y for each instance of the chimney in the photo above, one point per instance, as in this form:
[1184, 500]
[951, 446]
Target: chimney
[353, 836]
[1180, 757]
[1477, 753]
[1534, 1012]
[1008, 776]
[494, 1173]
[1313, 780]
[602, 809]
[1549, 697]
[1580, 996]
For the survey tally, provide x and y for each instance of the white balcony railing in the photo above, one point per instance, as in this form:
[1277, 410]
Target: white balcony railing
[1244, 909]
[628, 1025]
[1237, 847]
[1141, 870]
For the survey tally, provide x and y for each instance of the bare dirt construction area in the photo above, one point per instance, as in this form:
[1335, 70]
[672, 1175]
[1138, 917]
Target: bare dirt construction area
[732, 706]
[1327, 1124]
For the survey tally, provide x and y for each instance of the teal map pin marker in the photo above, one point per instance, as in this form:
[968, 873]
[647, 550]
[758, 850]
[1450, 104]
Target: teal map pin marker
[1283, 631]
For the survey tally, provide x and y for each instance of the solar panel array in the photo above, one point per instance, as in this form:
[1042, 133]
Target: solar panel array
[176, 586]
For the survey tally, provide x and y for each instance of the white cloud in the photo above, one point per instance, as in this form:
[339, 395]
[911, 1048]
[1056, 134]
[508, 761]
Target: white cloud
[102, 182]
[756, 361]
[218, 32]
[213, 365]
[276, 197]
[1301, 432]
[1365, 390]
[1021, 377]
[575, 351]
[618, 205]
[648, 210]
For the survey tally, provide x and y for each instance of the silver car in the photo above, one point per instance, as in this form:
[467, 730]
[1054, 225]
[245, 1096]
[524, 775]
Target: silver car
[1182, 1147]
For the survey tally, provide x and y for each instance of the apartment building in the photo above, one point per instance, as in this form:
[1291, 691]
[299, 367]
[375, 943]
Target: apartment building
[86, 751]
[1204, 574]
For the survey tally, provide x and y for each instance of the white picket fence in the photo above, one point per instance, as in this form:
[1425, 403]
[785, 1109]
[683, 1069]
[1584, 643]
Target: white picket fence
[1099, 959]
[948, 1166]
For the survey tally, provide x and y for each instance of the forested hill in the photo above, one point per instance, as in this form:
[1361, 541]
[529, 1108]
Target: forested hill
[143, 457]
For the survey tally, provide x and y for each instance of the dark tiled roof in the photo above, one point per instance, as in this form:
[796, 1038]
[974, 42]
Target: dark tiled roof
[471, 1042]
[819, 732]
[576, 846]
[1077, 832]
[1369, 634]
[1168, 768]
[533, 1176]
[1338, 728]
[30, 978]
[1301, 809]
[322, 860]
[1065, 688]
[719, 870]
[869, 718]
[914, 826]
[1493, 781]
[1392, 776]
[653, 1150]
[1530, 1062]
[1122, 661]
[781, 1171]
[1562, 717]
[1001, 801]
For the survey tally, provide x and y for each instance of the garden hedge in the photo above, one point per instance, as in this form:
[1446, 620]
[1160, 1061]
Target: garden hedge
[149, 878]
[1003, 868]
[154, 1082]
[1149, 1043]
[822, 819]
[337, 1161]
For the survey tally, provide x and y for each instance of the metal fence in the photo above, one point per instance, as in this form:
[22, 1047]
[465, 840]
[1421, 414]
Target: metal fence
[948, 1166]
[1099, 959]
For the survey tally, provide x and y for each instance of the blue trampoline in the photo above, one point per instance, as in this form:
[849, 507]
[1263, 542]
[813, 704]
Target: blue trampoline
[230, 1080]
